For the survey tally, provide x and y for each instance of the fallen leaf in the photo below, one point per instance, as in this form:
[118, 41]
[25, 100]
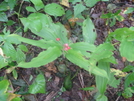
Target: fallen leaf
[51, 67]
[65, 3]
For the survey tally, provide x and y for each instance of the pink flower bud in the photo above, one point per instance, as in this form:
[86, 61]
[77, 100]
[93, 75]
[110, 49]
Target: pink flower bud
[65, 49]
[57, 39]
[66, 45]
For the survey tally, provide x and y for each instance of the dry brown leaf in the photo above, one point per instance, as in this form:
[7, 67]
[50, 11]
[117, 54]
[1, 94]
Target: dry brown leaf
[68, 30]
[65, 3]
[12, 96]
[73, 20]
[51, 67]
[123, 59]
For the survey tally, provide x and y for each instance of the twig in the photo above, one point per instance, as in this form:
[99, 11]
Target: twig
[117, 98]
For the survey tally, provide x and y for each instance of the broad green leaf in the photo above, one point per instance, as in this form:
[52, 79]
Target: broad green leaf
[113, 82]
[30, 9]
[78, 59]
[54, 31]
[78, 9]
[129, 10]
[43, 58]
[102, 51]
[110, 60]
[128, 68]
[3, 17]
[131, 28]
[39, 85]
[121, 33]
[17, 99]
[39, 43]
[91, 3]
[74, 1]
[102, 98]
[3, 86]
[101, 82]
[61, 32]
[128, 92]
[88, 29]
[4, 96]
[20, 56]
[3, 62]
[83, 47]
[38, 4]
[23, 48]
[4, 6]
[98, 71]
[54, 9]
[129, 79]
[112, 22]
[9, 51]
[127, 49]
[41, 21]
[26, 23]
[12, 3]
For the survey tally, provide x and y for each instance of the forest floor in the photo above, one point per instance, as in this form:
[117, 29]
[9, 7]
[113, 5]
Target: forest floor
[81, 78]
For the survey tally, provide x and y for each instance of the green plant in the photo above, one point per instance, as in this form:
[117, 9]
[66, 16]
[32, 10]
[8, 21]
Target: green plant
[95, 59]
[6, 5]
[5, 92]
[112, 17]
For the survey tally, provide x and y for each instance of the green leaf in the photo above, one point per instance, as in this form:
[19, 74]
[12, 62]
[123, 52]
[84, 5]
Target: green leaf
[88, 88]
[20, 56]
[39, 43]
[30, 9]
[3, 17]
[15, 74]
[88, 29]
[121, 33]
[43, 58]
[101, 82]
[78, 9]
[129, 10]
[128, 92]
[3, 86]
[39, 85]
[112, 22]
[90, 3]
[102, 51]
[4, 96]
[54, 9]
[101, 98]
[83, 47]
[4, 6]
[3, 62]
[129, 79]
[12, 3]
[23, 48]
[113, 82]
[78, 59]
[38, 4]
[128, 68]
[3, 89]
[131, 28]
[127, 49]
[41, 20]
[9, 51]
